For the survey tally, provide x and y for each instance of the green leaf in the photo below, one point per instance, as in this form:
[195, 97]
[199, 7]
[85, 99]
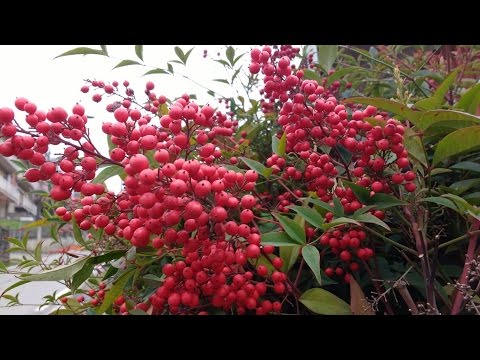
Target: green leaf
[320, 203]
[461, 203]
[360, 192]
[289, 255]
[155, 71]
[438, 97]
[238, 58]
[211, 92]
[111, 255]
[440, 117]
[441, 201]
[179, 53]
[104, 49]
[413, 143]
[310, 215]
[59, 273]
[461, 186]
[438, 171]
[258, 167]
[77, 234]
[323, 302]
[277, 238]
[327, 54]
[13, 286]
[116, 289]
[139, 51]
[466, 165]
[126, 63]
[235, 74]
[473, 198]
[222, 81]
[340, 73]
[369, 218]
[337, 207]
[385, 201]
[187, 55]
[82, 51]
[312, 75]
[170, 68]
[38, 251]
[137, 312]
[312, 258]
[388, 105]
[457, 142]
[422, 74]
[107, 173]
[83, 274]
[279, 145]
[470, 100]
[37, 223]
[340, 221]
[230, 53]
[294, 230]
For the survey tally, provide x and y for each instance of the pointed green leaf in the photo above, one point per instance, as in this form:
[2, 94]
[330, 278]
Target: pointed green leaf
[338, 207]
[322, 302]
[320, 203]
[362, 194]
[107, 173]
[238, 58]
[83, 274]
[339, 221]
[279, 145]
[222, 81]
[312, 258]
[179, 53]
[413, 143]
[126, 63]
[457, 142]
[369, 218]
[467, 165]
[312, 75]
[441, 201]
[327, 54]
[230, 53]
[435, 118]
[59, 273]
[82, 51]
[116, 289]
[294, 230]
[470, 100]
[310, 215]
[155, 71]
[289, 255]
[388, 105]
[13, 286]
[340, 73]
[187, 54]
[104, 49]
[385, 201]
[139, 51]
[461, 203]
[170, 68]
[258, 167]
[77, 235]
[461, 186]
[277, 238]
[438, 97]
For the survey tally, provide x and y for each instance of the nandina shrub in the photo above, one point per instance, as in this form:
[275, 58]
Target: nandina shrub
[200, 227]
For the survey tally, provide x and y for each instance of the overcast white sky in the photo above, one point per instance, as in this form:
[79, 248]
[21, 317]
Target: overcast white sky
[32, 72]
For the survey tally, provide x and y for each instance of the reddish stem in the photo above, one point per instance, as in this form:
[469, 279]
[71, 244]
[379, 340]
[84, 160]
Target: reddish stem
[472, 245]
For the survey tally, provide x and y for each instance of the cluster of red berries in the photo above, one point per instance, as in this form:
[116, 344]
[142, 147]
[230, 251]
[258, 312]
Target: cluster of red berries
[177, 197]
[326, 140]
